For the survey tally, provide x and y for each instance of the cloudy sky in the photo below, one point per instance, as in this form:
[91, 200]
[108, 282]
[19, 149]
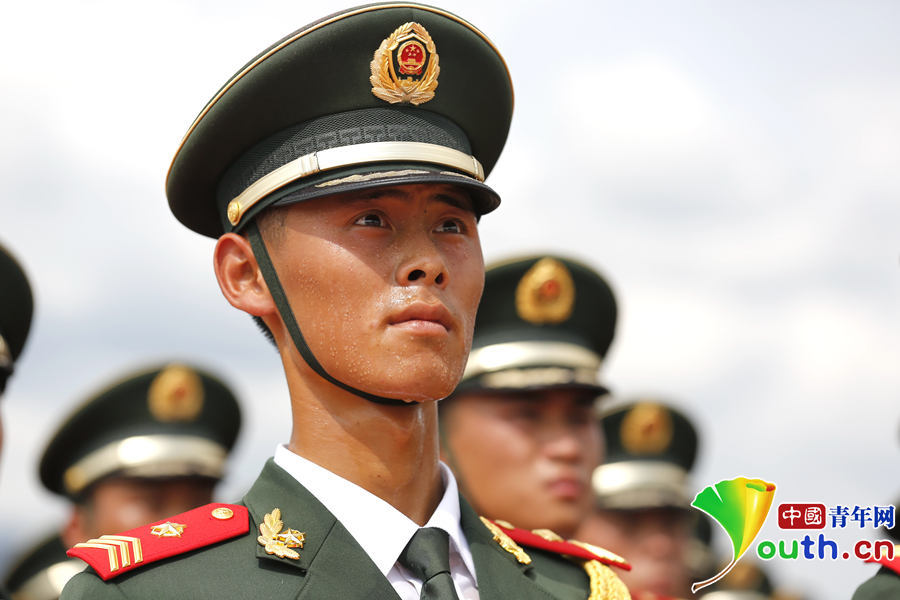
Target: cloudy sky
[732, 167]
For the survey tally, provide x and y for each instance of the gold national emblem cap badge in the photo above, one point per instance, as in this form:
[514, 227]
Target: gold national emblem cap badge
[176, 395]
[546, 293]
[405, 67]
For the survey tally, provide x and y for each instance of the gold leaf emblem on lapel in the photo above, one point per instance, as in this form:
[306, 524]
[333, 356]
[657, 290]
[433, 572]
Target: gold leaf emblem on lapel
[507, 542]
[405, 66]
[546, 293]
[277, 542]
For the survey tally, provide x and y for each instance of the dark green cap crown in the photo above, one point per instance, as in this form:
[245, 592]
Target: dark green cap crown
[650, 449]
[329, 89]
[16, 307]
[544, 321]
[168, 421]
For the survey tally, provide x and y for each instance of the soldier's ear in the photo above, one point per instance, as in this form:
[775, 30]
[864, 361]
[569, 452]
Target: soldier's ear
[240, 277]
[75, 530]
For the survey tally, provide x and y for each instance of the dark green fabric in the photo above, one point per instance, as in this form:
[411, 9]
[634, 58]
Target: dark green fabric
[884, 585]
[332, 565]
[427, 556]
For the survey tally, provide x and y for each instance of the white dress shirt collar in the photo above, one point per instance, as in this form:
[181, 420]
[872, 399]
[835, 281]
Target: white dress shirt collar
[381, 530]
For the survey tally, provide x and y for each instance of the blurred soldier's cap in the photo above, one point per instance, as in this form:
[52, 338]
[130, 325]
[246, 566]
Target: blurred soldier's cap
[168, 421]
[16, 307]
[544, 321]
[650, 449]
[42, 573]
[378, 95]
[746, 581]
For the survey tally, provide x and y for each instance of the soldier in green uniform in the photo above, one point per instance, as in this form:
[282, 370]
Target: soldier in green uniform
[520, 430]
[16, 308]
[642, 496]
[152, 444]
[342, 172]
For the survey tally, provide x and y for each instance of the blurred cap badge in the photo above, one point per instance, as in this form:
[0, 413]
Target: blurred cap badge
[405, 66]
[647, 429]
[176, 395]
[546, 293]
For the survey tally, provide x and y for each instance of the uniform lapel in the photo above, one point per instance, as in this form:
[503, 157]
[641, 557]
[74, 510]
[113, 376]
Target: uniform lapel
[332, 563]
[499, 574]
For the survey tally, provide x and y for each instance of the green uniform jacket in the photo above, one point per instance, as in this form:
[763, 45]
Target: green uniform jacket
[332, 565]
[884, 585]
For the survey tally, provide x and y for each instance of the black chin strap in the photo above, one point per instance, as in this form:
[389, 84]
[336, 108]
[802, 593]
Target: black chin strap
[287, 315]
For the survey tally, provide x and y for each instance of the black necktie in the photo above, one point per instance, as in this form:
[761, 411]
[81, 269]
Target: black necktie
[427, 556]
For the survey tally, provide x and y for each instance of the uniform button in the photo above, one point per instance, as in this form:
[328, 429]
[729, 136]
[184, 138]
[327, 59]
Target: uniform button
[222, 513]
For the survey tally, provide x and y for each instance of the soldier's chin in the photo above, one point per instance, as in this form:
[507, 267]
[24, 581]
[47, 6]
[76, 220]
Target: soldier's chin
[415, 391]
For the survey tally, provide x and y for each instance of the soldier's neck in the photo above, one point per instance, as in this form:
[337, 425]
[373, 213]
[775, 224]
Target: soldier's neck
[390, 451]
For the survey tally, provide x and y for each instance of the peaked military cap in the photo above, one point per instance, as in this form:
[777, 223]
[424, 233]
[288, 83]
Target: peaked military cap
[544, 321]
[382, 94]
[42, 573]
[650, 449]
[16, 307]
[169, 421]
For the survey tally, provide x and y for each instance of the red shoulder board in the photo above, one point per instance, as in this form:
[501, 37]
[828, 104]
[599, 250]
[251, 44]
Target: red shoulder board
[551, 542]
[891, 563]
[112, 555]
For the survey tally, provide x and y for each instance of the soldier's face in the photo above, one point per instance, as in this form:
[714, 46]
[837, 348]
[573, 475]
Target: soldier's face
[118, 504]
[384, 284]
[525, 458]
[655, 542]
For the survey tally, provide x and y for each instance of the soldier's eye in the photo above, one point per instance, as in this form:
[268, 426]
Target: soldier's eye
[370, 220]
[449, 226]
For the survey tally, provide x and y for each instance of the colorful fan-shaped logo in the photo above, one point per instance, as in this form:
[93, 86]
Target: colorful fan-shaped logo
[740, 506]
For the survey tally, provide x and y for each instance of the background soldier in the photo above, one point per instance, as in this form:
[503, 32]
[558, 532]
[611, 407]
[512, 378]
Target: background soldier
[642, 496]
[16, 307]
[519, 431]
[342, 172]
[151, 445]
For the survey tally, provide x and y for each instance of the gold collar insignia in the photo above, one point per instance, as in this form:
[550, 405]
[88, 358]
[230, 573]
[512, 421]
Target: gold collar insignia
[277, 542]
